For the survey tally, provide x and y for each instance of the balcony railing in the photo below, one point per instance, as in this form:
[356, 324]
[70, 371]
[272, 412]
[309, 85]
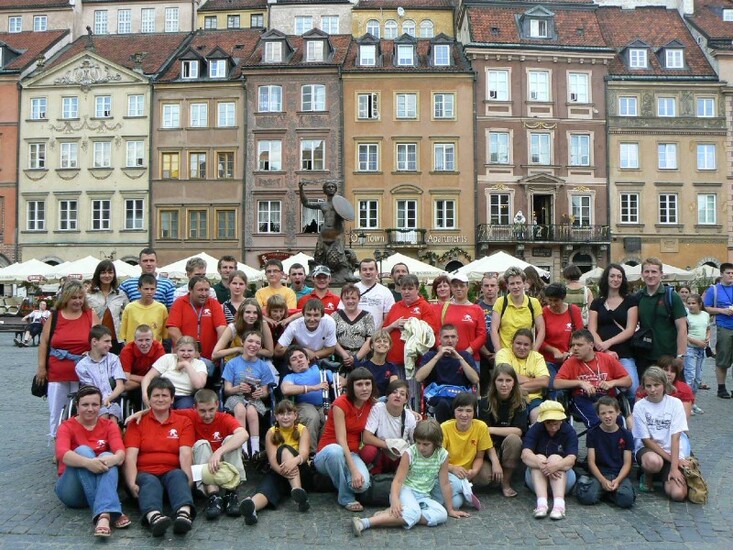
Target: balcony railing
[405, 237]
[553, 233]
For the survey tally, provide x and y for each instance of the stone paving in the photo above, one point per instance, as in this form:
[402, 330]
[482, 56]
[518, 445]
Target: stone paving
[32, 517]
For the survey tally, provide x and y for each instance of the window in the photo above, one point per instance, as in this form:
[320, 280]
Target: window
[233, 22]
[407, 157]
[40, 23]
[217, 68]
[147, 16]
[330, 24]
[367, 55]
[68, 215]
[498, 84]
[225, 115]
[674, 59]
[101, 214]
[199, 115]
[135, 154]
[407, 106]
[171, 20]
[69, 155]
[190, 69]
[580, 210]
[372, 28]
[273, 52]
[368, 214]
[538, 28]
[705, 107]
[578, 87]
[539, 86]
[15, 24]
[38, 108]
[100, 22]
[426, 29]
[441, 55]
[36, 156]
[368, 157]
[706, 210]
[407, 219]
[540, 148]
[169, 224]
[171, 115]
[103, 106]
[269, 155]
[311, 220]
[170, 163]
[629, 208]
[405, 55]
[314, 50]
[135, 105]
[211, 22]
[444, 155]
[303, 23]
[134, 213]
[727, 15]
[445, 214]
[499, 209]
[668, 208]
[198, 224]
[368, 106]
[627, 106]
[36, 218]
[225, 165]
[666, 106]
[444, 105]
[313, 97]
[312, 152]
[706, 156]
[667, 156]
[226, 224]
[390, 29]
[102, 154]
[268, 216]
[499, 147]
[270, 99]
[408, 27]
[637, 58]
[629, 155]
[580, 150]
[256, 20]
[197, 165]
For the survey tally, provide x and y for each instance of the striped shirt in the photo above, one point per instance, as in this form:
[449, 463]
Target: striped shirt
[424, 471]
[163, 293]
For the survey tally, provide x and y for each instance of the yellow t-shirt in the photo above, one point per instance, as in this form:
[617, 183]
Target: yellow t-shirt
[532, 367]
[136, 314]
[515, 317]
[288, 435]
[462, 447]
[263, 294]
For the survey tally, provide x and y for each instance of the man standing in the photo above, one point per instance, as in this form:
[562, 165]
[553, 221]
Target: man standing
[225, 266]
[375, 297]
[397, 272]
[274, 275]
[719, 302]
[296, 275]
[322, 279]
[195, 267]
[165, 290]
[514, 311]
[489, 293]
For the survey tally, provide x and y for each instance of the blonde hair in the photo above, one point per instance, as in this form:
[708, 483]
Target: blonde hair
[656, 374]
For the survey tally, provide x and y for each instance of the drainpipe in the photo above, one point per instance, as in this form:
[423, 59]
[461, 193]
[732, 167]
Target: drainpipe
[608, 177]
[151, 210]
[17, 178]
[476, 156]
[244, 170]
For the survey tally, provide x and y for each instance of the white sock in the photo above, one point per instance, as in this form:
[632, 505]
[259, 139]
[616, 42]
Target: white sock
[558, 503]
[541, 502]
[245, 449]
[255, 443]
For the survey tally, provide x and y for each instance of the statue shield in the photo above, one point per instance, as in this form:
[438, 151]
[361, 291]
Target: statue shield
[343, 207]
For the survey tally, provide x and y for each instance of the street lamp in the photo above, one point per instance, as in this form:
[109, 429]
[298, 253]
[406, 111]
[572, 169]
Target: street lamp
[361, 238]
[381, 255]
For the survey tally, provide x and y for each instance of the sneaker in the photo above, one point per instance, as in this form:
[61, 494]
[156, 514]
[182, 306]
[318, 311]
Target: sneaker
[540, 512]
[301, 499]
[557, 513]
[213, 508]
[697, 410]
[723, 394]
[356, 527]
[18, 342]
[231, 504]
[247, 509]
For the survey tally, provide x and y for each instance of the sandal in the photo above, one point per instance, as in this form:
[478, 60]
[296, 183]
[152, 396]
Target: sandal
[508, 492]
[183, 522]
[643, 486]
[102, 530]
[159, 524]
[704, 387]
[354, 507]
[122, 521]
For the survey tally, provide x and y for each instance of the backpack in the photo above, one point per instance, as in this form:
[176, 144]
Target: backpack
[668, 292]
[506, 305]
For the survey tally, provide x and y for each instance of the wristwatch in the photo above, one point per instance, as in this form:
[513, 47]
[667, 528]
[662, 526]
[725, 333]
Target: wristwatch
[681, 355]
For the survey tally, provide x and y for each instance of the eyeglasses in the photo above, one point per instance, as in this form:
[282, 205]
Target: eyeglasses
[268, 271]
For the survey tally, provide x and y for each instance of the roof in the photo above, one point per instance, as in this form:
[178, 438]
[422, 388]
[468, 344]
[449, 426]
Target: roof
[232, 5]
[313, 3]
[33, 4]
[407, 4]
[386, 50]
[30, 45]
[339, 42]
[657, 27]
[708, 19]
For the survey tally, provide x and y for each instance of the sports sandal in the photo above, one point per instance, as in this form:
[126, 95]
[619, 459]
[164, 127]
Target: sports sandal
[159, 524]
[183, 522]
[354, 507]
[102, 530]
[122, 522]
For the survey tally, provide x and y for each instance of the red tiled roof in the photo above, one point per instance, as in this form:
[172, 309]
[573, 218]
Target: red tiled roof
[657, 27]
[459, 63]
[30, 44]
[339, 43]
[33, 4]
[708, 18]
[231, 5]
[407, 4]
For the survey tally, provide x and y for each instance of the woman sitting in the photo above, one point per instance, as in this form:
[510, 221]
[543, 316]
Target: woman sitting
[89, 449]
[248, 318]
[183, 369]
[158, 460]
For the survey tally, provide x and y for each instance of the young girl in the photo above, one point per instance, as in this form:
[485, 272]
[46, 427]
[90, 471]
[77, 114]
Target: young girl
[237, 289]
[287, 444]
[698, 338]
[682, 391]
[414, 486]
[183, 368]
[249, 318]
[384, 371]
[659, 421]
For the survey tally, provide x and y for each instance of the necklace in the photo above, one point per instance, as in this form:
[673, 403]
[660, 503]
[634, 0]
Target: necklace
[596, 372]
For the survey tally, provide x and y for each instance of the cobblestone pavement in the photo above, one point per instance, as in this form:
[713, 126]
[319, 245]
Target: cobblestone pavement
[32, 517]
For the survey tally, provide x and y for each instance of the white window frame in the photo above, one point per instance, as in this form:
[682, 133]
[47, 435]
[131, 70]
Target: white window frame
[674, 58]
[40, 23]
[368, 214]
[270, 98]
[303, 24]
[427, 29]
[390, 29]
[101, 22]
[629, 156]
[134, 214]
[668, 205]
[637, 58]
[706, 156]
[406, 218]
[367, 55]
[136, 105]
[666, 106]
[273, 51]
[406, 157]
[311, 220]
[313, 97]
[540, 146]
[500, 208]
[667, 156]
[330, 24]
[707, 209]
[409, 27]
[406, 106]
[37, 156]
[103, 106]
[198, 165]
[39, 108]
[273, 148]
[198, 115]
[445, 214]
[579, 87]
[313, 155]
[226, 114]
[147, 20]
[629, 208]
[373, 28]
[101, 218]
[314, 50]
[69, 154]
[705, 106]
[441, 55]
[581, 210]
[35, 216]
[68, 214]
[628, 105]
[499, 148]
[217, 68]
[367, 106]
[135, 153]
[538, 85]
[15, 23]
[368, 157]
[171, 115]
[539, 28]
[190, 69]
[727, 14]
[405, 55]
[102, 154]
[269, 216]
[444, 105]
[497, 85]
[444, 157]
[172, 19]
[580, 150]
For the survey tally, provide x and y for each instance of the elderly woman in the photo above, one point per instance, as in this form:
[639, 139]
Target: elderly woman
[89, 450]
[64, 339]
[158, 459]
[106, 296]
[354, 327]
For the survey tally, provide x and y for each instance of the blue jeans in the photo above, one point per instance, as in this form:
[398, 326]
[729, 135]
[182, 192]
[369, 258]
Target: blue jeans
[330, 461]
[694, 359]
[629, 366]
[80, 488]
[183, 402]
[175, 484]
[416, 505]
[569, 480]
[590, 491]
[552, 368]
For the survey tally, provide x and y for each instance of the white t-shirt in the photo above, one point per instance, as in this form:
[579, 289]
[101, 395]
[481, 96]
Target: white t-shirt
[385, 426]
[166, 366]
[659, 421]
[324, 336]
[377, 301]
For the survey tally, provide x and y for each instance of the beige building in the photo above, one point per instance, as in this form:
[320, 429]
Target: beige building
[300, 16]
[39, 15]
[232, 14]
[134, 17]
[390, 19]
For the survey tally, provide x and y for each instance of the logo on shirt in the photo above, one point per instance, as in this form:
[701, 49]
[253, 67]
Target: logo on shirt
[416, 310]
[622, 443]
[207, 312]
[101, 442]
[467, 318]
[216, 436]
[173, 434]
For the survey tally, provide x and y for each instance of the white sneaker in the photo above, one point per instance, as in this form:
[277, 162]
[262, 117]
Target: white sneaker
[697, 410]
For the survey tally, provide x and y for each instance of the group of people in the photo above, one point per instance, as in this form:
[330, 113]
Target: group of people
[446, 395]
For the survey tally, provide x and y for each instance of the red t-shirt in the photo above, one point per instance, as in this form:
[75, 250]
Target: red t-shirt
[105, 437]
[470, 321]
[355, 423]
[134, 362]
[683, 393]
[420, 309]
[185, 317]
[159, 443]
[559, 327]
[603, 367]
[71, 335]
[222, 426]
[330, 301]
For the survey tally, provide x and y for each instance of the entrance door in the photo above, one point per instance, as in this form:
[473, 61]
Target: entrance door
[542, 217]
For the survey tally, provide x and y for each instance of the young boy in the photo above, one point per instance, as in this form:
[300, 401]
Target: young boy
[98, 366]
[609, 459]
[137, 358]
[144, 311]
[247, 379]
[382, 370]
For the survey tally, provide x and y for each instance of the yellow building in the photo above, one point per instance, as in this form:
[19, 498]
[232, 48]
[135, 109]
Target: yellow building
[232, 14]
[390, 19]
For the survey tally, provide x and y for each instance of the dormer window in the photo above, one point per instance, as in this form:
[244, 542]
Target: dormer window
[15, 23]
[674, 59]
[727, 15]
[217, 68]
[273, 52]
[441, 55]
[637, 58]
[538, 28]
[405, 55]
[189, 69]
[367, 55]
[314, 50]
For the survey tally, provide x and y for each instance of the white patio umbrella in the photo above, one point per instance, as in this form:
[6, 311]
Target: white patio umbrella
[253, 275]
[591, 276]
[125, 270]
[498, 262]
[78, 269]
[20, 272]
[177, 269]
[705, 272]
[669, 273]
[300, 258]
[420, 269]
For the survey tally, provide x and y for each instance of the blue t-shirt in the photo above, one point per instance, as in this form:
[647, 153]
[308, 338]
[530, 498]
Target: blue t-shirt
[381, 373]
[610, 448]
[563, 443]
[725, 299]
[310, 377]
[448, 370]
[255, 372]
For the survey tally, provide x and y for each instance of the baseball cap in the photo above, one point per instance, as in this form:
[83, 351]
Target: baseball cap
[321, 270]
[459, 277]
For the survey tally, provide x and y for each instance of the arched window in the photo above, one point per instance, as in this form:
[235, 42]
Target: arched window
[426, 29]
[390, 29]
[408, 27]
[373, 28]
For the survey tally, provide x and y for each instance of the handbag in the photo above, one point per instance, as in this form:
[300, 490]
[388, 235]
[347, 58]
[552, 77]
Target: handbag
[643, 340]
[39, 389]
[697, 487]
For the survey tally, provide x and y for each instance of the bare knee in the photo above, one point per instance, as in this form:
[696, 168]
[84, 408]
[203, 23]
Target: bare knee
[652, 462]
